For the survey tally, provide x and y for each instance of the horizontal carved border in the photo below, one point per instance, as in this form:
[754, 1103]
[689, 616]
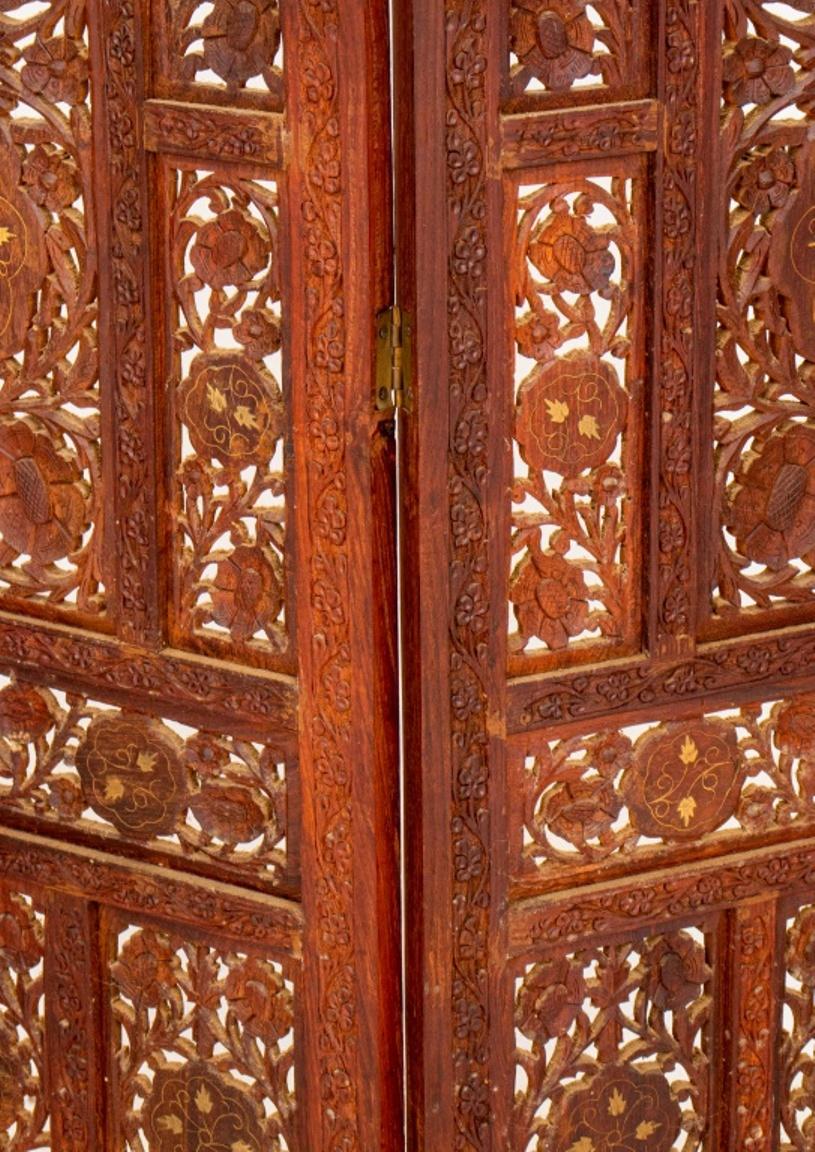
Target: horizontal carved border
[214, 134]
[590, 133]
[189, 688]
[143, 889]
[739, 670]
[608, 908]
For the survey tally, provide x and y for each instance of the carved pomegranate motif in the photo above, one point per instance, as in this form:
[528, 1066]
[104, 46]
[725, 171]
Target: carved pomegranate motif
[550, 999]
[771, 509]
[25, 713]
[570, 413]
[42, 503]
[132, 774]
[233, 410]
[550, 597]
[620, 1109]
[792, 255]
[570, 253]
[229, 250]
[192, 1108]
[554, 39]
[247, 592]
[684, 781]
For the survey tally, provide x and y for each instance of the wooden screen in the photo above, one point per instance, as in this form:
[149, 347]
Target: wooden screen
[198, 926]
[609, 550]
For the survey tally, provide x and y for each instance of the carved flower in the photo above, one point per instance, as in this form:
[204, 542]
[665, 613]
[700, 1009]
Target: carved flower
[684, 781]
[801, 947]
[569, 253]
[241, 39]
[191, 1106]
[230, 249]
[795, 727]
[233, 410]
[259, 997]
[537, 335]
[23, 262]
[51, 177]
[230, 813]
[21, 942]
[42, 504]
[26, 713]
[569, 414]
[56, 69]
[146, 968]
[677, 970]
[551, 599]
[756, 70]
[259, 332]
[554, 39]
[132, 773]
[766, 182]
[549, 999]
[619, 1109]
[771, 504]
[581, 810]
[247, 593]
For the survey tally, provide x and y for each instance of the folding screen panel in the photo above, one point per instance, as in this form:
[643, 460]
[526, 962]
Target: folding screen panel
[198, 914]
[609, 572]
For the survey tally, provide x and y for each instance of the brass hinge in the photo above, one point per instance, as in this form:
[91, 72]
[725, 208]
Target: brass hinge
[393, 360]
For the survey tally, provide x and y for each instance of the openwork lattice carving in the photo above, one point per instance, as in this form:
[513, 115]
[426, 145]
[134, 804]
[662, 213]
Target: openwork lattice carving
[578, 333]
[226, 50]
[612, 1047]
[797, 1049]
[764, 429]
[24, 1123]
[198, 794]
[640, 793]
[50, 516]
[230, 512]
[557, 46]
[203, 1040]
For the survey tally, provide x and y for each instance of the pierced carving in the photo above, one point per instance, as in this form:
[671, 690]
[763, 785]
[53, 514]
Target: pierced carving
[599, 1035]
[194, 794]
[230, 581]
[797, 1041]
[215, 1072]
[764, 431]
[637, 793]
[229, 50]
[51, 523]
[575, 529]
[560, 46]
[24, 1112]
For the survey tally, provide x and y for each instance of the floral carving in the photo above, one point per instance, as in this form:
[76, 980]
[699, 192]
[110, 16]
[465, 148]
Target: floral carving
[230, 506]
[26, 713]
[756, 70]
[24, 1102]
[241, 39]
[619, 1108]
[570, 413]
[771, 504]
[559, 45]
[550, 999]
[193, 1107]
[767, 182]
[550, 599]
[795, 1034]
[22, 262]
[684, 781]
[677, 971]
[132, 774]
[42, 498]
[573, 408]
[57, 69]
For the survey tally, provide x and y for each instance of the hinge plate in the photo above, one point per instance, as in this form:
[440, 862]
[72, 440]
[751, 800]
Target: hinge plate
[394, 338]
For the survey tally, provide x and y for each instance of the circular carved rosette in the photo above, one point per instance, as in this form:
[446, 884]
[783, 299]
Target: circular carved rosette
[618, 1109]
[233, 410]
[554, 40]
[570, 414]
[684, 781]
[194, 1107]
[43, 510]
[771, 505]
[569, 253]
[132, 774]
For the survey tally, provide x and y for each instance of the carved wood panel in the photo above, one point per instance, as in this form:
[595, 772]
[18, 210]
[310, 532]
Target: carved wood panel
[199, 875]
[609, 615]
